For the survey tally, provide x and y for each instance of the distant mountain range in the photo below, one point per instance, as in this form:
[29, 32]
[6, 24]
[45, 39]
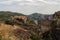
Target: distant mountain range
[7, 14]
[39, 16]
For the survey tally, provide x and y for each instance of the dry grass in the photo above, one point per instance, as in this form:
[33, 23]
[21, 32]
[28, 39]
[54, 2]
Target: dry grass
[6, 32]
[15, 32]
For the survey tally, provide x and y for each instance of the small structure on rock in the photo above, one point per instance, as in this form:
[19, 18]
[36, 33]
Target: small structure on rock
[20, 18]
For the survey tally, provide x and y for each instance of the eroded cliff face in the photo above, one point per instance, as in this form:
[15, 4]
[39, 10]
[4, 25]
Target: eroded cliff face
[54, 32]
[56, 26]
[56, 19]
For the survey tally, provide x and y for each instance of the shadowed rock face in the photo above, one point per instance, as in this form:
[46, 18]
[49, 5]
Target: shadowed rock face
[55, 26]
[56, 16]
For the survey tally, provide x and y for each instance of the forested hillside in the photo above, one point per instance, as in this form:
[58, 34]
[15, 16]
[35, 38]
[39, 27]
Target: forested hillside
[7, 14]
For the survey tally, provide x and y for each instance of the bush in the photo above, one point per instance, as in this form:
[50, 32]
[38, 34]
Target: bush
[9, 22]
[35, 37]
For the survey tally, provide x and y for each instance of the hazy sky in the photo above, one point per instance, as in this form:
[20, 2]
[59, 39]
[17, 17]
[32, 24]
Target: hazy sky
[30, 6]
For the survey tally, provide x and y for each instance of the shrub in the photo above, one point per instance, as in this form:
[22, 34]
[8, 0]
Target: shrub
[9, 22]
[35, 37]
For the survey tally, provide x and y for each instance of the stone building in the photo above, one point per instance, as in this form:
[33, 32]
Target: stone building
[20, 18]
